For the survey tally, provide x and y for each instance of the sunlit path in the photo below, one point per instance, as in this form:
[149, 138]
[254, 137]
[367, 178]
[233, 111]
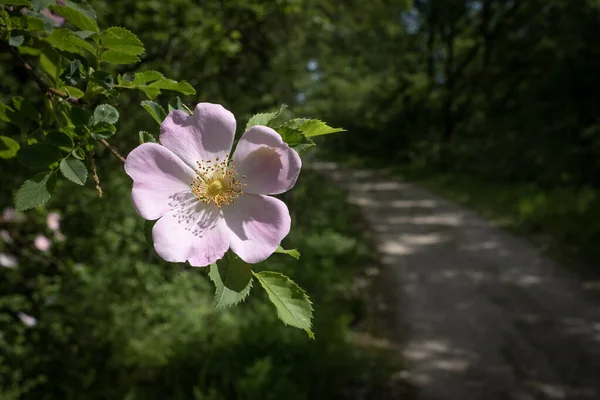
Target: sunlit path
[485, 315]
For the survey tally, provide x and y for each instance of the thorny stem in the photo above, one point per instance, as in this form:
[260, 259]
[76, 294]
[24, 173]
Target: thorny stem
[113, 150]
[95, 174]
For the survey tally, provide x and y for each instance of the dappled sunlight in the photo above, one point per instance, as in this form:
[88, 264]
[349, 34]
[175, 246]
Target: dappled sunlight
[486, 316]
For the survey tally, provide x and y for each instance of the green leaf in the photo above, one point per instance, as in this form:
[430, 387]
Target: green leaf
[103, 130]
[50, 62]
[293, 252]
[74, 170]
[315, 127]
[39, 155]
[294, 138]
[169, 84]
[233, 280]
[265, 118]
[155, 110]
[16, 41]
[76, 17]
[176, 104]
[106, 113]
[293, 305]
[73, 74]
[146, 137]
[37, 5]
[78, 153]
[64, 39]
[141, 78]
[103, 79]
[80, 116]
[35, 191]
[116, 57]
[60, 139]
[16, 2]
[72, 91]
[8, 147]
[121, 40]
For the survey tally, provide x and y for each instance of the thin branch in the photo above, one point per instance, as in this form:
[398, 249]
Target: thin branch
[95, 174]
[112, 150]
[44, 87]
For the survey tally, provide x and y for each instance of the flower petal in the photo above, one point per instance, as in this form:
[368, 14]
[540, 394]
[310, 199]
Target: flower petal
[157, 175]
[195, 233]
[203, 136]
[269, 164]
[257, 225]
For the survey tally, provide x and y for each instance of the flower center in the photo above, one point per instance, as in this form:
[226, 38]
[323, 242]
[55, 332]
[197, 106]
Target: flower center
[217, 182]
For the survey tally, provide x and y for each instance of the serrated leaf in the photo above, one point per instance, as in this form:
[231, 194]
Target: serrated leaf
[72, 91]
[8, 147]
[141, 78]
[103, 130]
[265, 118]
[151, 92]
[78, 153]
[39, 155]
[73, 74]
[121, 40]
[315, 127]
[74, 170]
[117, 57]
[233, 280]
[293, 305]
[106, 113]
[169, 84]
[103, 79]
[146, 137]
[294, 138]
[76, 17]
[16, 41]
[155, 110]
[176, 104]
[64, 39]
[35, 191]
[60, 139]
[292, 252]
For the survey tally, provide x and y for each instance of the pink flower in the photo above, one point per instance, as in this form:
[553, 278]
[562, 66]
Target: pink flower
[53, 221]
[27, 319]
[42, 243]
[206, 203]
[56, 19]
[7, 260]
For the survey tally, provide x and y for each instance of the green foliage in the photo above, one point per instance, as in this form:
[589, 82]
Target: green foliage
[293, 305]
[74, 14]
[155, 110]
[8, 147]
[105, 113]
[265, 119]
[74, 170]
[35, 191]
[233, 280]
[146, 137]
[293, 252]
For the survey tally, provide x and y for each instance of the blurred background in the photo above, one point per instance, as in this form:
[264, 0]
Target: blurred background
[492, 103]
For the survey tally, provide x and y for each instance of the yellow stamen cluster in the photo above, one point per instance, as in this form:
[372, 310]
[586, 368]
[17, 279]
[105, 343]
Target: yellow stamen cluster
[217, 182]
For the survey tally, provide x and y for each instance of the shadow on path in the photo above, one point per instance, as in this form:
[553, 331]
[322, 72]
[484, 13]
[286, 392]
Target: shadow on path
[484, 315]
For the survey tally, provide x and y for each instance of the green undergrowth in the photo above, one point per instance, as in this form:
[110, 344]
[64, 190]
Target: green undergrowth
[115, 322]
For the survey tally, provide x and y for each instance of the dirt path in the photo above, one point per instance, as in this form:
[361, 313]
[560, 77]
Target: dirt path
[484, 315]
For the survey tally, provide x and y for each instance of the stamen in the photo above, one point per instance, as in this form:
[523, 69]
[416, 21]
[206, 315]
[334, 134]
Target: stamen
[217, 182]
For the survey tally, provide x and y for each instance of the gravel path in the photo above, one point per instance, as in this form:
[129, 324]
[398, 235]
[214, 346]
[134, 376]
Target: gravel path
[481, 313]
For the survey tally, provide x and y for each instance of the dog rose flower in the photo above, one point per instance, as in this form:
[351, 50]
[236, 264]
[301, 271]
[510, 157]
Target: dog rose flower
[205, 201]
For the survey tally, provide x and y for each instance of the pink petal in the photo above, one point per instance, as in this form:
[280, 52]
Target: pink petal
[257, 224]
[269, 164]
[160, 178]
[197, 234]
[203, 136]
